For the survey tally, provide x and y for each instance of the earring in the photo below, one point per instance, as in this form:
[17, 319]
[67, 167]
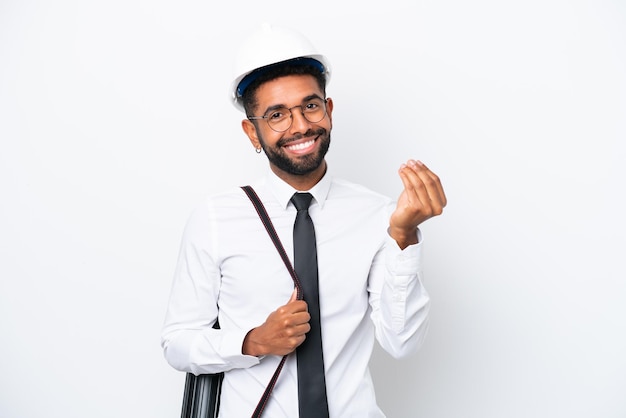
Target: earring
[258, 150]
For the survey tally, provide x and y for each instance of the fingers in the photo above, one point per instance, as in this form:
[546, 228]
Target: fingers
[424, 186]
[416, 191]
[438, 188]
[289, 325]
[298, 325]
[292, 315]
[294, 305]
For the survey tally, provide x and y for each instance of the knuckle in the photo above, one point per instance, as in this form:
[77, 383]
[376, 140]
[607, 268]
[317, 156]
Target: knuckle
[419, 186]
[293, 344]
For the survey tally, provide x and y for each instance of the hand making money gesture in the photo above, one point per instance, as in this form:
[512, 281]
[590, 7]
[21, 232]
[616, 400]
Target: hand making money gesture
[422, 198]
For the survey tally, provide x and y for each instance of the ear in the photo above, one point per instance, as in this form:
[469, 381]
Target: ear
[250, 130]
[329, 109]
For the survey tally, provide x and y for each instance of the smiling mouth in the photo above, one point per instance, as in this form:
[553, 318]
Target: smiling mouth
[302, 145]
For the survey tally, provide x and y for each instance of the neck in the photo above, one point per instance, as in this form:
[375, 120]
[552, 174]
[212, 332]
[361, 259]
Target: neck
[301, 182]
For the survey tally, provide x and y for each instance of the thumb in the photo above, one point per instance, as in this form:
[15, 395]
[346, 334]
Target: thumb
[294, 295]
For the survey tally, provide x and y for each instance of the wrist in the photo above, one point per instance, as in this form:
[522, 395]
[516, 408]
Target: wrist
[403, 237]
[249, 347]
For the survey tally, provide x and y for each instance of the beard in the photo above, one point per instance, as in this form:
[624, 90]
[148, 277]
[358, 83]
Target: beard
[301, 165]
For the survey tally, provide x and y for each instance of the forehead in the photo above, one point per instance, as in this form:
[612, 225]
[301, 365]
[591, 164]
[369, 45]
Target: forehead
[288, 91]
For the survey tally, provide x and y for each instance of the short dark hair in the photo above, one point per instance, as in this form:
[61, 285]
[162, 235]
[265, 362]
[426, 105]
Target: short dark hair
[249, 99]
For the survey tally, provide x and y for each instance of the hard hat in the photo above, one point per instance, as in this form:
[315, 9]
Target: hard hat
[269, 45]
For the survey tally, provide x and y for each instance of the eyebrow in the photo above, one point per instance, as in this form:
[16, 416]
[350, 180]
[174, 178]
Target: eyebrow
[283, 106]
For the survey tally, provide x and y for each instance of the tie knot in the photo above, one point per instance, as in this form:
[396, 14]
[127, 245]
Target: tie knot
[301, 200]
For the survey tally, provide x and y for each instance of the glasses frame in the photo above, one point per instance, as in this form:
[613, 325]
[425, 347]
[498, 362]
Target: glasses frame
[289, 109]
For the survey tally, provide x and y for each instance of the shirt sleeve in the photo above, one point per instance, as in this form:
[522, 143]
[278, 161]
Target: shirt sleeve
[189, 341]
[400, 303]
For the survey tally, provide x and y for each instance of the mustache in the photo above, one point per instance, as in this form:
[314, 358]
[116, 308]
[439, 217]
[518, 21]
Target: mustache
[311, 132]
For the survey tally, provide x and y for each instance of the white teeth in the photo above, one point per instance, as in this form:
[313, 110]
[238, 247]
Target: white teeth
[302, 145]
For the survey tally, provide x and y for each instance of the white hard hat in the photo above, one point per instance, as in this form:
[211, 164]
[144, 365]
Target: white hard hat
[269, 45]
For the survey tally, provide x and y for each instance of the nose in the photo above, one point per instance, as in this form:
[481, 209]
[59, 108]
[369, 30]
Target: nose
[298, 122]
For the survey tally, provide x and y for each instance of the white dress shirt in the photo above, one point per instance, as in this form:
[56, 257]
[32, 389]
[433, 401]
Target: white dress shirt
[229, 269]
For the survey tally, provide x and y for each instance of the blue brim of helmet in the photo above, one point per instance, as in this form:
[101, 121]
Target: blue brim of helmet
[248, 79]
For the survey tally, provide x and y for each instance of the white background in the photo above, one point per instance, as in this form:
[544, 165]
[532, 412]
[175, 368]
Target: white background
[114, 123]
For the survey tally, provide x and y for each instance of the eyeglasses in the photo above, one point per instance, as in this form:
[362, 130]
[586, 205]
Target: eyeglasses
[280, 119]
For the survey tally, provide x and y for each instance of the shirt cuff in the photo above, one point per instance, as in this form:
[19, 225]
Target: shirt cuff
[407, 261]
[231, 346]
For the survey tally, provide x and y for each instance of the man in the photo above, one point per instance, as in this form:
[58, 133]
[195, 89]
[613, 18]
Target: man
[368, 254]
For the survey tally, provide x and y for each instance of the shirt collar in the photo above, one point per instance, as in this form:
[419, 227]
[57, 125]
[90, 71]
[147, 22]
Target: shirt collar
[283, 191]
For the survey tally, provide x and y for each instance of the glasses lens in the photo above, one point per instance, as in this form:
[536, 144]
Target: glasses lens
[280, 119]
[314, 110]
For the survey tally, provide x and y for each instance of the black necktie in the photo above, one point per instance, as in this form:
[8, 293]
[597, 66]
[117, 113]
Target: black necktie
[311, 380]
